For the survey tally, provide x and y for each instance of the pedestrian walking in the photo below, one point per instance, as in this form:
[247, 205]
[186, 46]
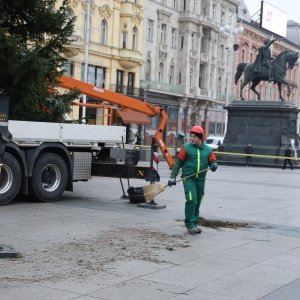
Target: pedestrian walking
[287, 153]
[193, 158]
[248, 150]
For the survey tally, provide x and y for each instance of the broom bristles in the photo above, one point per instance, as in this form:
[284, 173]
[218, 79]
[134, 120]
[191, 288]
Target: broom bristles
[152, 190]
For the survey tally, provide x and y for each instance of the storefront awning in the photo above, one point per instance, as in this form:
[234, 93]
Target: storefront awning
[130, 116]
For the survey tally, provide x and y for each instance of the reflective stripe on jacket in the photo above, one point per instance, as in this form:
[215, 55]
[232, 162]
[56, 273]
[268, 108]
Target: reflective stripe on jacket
[193, 159]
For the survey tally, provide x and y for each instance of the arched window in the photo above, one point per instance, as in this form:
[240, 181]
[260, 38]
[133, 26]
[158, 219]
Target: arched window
[161, 72]
[148, 70]
[103, 32]
[171, 75]
[134, 38]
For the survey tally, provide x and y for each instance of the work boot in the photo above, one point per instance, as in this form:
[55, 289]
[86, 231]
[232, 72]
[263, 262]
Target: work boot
[199, 230]
[192, 230]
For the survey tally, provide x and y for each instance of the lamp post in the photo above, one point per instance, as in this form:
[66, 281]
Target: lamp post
[86, 52]
[231, 32]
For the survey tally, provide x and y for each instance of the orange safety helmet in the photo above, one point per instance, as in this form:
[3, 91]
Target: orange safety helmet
[197, 130]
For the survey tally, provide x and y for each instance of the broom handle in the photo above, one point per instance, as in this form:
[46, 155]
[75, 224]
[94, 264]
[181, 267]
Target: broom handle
[192, 175]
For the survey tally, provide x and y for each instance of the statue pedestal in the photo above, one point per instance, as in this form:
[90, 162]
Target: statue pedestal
[267, 125]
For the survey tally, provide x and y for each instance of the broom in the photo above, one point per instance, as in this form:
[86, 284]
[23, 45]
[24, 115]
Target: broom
[152, 190]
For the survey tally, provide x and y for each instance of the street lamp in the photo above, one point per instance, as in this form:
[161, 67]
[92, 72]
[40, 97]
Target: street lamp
[231, 31]
[86, 52]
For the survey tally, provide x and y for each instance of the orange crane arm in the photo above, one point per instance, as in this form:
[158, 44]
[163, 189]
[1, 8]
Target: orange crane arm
[123, 102]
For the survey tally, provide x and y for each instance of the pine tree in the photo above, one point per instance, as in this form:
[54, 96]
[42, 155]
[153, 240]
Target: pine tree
[33, 36]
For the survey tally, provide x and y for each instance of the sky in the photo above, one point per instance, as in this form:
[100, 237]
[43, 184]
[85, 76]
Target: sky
[291, 7]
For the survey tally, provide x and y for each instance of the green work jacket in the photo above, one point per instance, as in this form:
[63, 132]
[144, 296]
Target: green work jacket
[192, 159]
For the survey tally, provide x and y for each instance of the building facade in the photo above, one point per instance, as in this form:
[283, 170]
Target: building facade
[186, 64]
[109, 44]
[171, 53]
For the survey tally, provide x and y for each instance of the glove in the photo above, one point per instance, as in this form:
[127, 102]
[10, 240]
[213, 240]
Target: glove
[172, 181]
[214, 167]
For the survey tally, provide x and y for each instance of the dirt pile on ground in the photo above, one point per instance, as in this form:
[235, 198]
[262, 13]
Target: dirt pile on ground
[80, 258]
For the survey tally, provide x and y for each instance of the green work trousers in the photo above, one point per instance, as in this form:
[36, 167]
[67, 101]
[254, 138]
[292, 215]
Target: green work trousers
[194, 192]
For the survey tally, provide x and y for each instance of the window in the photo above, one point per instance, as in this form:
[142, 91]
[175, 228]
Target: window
[161, 72]
[191, 77]
[103, 33]
[174, 4]
[171, 75]
[243, 55]
[134, 38]
[202, 77]
[68, 68]
[214, 11]
[124, 39]
[223, 19]
[193, 41]
[179, 78]
[130, 85]
[173, 38]
[119, 83]
[150, 25]
[194, 6]
[222, 53]
[96, 75]
[181, 42]
[184, 5]
[163, 33]
[148, 70]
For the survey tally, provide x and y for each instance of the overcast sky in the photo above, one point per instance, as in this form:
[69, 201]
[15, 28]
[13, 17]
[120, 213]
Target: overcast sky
[291, 7]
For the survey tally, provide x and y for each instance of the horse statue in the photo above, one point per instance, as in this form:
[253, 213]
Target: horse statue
[284, 61]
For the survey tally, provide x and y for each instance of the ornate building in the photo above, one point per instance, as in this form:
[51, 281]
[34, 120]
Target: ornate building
[110, 43]
[186, 62]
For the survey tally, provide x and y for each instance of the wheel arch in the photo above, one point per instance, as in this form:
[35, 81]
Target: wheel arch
[56, 148]
[19, 155]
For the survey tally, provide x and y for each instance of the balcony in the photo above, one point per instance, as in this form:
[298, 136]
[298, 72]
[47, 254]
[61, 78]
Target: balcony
[126, 90]
[129, 8]
[161, 87]
[130, 59]
[97, 48]
[188, 16]
[208, 22]
[163, 47]
[203, 93]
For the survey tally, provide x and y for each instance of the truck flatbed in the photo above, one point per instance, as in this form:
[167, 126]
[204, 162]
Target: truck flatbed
[34, 133]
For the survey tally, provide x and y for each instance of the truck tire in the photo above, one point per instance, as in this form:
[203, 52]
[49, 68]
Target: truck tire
[10, 179]
[49, 178]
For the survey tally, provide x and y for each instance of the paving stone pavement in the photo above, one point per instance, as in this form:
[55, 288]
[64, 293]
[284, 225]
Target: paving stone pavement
[258, 261]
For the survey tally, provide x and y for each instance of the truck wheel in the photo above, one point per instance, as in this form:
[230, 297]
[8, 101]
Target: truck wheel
[49, 178]
[10, 179]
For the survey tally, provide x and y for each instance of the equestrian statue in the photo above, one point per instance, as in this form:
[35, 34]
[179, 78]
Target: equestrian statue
[267, 68]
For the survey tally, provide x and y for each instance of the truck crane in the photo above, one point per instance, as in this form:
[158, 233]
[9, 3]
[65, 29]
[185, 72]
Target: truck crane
[43, 159]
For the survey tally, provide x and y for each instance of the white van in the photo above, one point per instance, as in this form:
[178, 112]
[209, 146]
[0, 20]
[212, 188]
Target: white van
[214, 141]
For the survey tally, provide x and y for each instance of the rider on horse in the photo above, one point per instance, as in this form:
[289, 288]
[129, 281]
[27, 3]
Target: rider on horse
[264, 58]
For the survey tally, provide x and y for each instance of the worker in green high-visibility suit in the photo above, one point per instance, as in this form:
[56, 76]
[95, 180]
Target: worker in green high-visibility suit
[193, 158]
